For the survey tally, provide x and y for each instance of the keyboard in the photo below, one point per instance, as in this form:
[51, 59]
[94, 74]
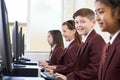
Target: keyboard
[25, 59]
[25, 62]
[21, 78]
[49, 76]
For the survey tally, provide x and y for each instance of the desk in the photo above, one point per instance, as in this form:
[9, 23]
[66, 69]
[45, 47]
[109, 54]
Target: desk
[27, 71]
[21, 78]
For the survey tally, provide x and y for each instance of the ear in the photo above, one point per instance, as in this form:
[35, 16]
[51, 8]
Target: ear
[94, 21]
[118, 13]
[74, 31]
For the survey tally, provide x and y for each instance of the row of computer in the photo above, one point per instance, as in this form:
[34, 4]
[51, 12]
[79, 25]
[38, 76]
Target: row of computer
[18, 45]
[11, 55]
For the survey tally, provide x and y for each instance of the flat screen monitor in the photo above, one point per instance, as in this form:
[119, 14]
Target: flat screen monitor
[23, 42]
[5, 45]
[20, 42]
[15, 42]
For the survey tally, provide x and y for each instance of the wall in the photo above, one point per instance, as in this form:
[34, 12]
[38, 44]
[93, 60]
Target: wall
[23, 25]
[36, 45]
[37, 56]
[42, 18]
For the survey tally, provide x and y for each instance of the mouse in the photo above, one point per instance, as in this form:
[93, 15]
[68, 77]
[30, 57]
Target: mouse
[43, 69]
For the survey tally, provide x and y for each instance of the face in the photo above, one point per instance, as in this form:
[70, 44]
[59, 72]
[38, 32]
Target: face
[104, 18]
[67, 33]
[83, 25]
[50, 39]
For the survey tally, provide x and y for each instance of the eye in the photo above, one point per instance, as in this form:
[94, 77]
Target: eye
[76, 22]
[82, 21]
[101, 11]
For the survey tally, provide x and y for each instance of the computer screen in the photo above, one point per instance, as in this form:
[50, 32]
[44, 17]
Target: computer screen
[20, 42]
[15, 42]
[23, 41]
[5, 45]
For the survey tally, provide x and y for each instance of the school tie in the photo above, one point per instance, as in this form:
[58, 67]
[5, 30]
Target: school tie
[105, 52]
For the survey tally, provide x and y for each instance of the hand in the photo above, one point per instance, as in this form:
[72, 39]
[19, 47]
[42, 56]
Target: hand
[49, 70]
[57, 75]
[43, 63]
[51, 67]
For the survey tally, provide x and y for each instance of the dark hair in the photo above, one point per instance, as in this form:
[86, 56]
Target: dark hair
[84, 12]
[111, 3]
[114, 5]
[71, 26]
[57, 37]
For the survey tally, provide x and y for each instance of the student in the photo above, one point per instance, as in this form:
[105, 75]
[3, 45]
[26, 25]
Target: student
[87, 62]
[55, 40]
[70, 34]
[108, 18]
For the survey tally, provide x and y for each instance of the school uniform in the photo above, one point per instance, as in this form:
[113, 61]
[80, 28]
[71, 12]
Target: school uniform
[68, 56]
[110, 70]
[55, 55]
[87, 63]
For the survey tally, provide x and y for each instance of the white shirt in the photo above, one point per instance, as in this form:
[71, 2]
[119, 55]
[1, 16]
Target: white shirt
[53, 47]
[68, 43]
[114, 36]
[84, 38]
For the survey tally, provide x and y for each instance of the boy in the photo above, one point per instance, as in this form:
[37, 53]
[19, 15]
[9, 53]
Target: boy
[87, 63]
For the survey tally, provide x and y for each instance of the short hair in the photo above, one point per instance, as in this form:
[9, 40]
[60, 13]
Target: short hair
[84, 12]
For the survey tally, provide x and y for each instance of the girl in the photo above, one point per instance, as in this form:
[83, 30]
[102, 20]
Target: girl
[108, 18]
[57, 47]
[70, 34]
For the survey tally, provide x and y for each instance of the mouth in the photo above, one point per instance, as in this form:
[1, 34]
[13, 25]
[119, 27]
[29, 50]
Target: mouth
[80, 29]
[65, 37]
[100, 24]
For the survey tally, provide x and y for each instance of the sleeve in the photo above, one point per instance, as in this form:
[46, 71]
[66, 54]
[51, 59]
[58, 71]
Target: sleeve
[70, 60]
[90, 70]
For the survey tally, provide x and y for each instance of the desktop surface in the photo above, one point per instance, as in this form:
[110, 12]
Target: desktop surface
[21, 78]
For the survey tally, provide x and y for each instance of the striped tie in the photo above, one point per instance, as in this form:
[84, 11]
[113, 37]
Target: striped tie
[106, 48]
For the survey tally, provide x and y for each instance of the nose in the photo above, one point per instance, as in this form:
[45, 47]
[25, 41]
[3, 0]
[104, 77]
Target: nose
[97, 18]
[78, 26]
[63, 34]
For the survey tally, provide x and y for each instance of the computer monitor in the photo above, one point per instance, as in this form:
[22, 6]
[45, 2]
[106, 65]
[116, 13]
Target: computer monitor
[20, 42]
[22, 50]
[15, 42]
[23, 46]
[5, 45]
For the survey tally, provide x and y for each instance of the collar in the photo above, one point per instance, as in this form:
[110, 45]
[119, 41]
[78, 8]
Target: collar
[68, 43]
[52, 48]
[114, 36]
[84, 38]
